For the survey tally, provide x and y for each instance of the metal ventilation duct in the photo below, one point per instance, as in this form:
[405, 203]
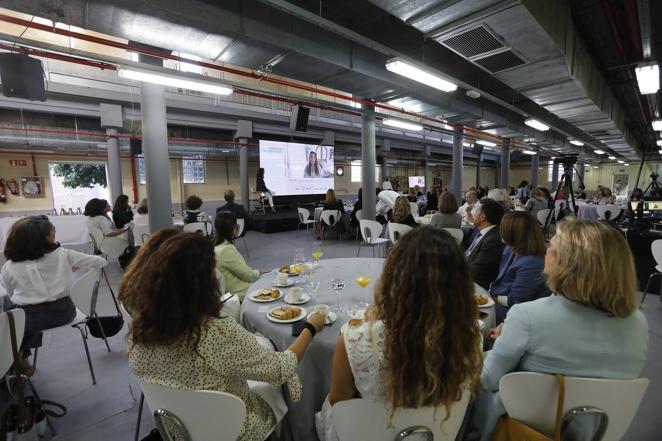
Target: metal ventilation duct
[533, 47]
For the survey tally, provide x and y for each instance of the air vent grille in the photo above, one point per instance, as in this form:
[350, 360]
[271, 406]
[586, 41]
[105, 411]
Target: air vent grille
[473, 42]
[501, 61]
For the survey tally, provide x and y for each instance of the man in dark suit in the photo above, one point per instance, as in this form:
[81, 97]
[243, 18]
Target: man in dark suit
[230, 206]
[484, 252]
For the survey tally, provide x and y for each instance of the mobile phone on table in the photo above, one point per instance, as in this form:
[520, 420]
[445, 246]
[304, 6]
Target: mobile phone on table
[298, 327]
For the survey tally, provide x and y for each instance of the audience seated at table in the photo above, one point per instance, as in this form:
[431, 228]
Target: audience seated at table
[502, 196]
[385, 203]
[447, 216]
[179, 339]
[231, 206]
[401, 213]
[38, 276]
[548, 196]
[606, 195]
[411, 196]
[238, 275]
[520, 276]
[331, 203]
[420, 343]
[122, 213]
[193, 213]
[470, 199]
[432, 200]
[523, 192]
[536, 202]
[141, 217]
[589, 327]
[386, 185]
[484, 251]
[96, 211]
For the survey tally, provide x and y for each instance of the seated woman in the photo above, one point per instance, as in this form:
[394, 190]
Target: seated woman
[178, 338]
[536, 202]
[238, 276]
[358, 205]
[420, 343]
[331, 203]
[520, 276]
[141, 217]
[447, 216]
[98, 223]
[605, 198]
[122, 213]
[193, 213]
[38, 276]
[590, 327]
[401, 213]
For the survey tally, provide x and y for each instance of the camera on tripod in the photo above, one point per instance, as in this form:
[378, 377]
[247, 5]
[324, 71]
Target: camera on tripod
[566, 160]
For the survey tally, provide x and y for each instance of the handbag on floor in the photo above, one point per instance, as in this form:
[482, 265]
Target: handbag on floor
[509, 429]
[108, 325]
[24, 418]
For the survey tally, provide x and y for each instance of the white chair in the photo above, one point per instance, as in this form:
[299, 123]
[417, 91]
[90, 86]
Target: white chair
[84, 294]
[414, 208]
[241, 226]
[329, 219]
[204, 228]
[359, 216]
[6, 354]
[526, 397]
[370, 232]
[366, 420]
[140, 234]
[656, 250]
[457, 234]
[608, 212]
[195, 413]
[304, 216]
[110, 247]
[396, 231]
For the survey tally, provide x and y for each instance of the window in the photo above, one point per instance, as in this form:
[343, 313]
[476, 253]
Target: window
[141, 170]
[356, 171]
[194, 170]
[550, 172]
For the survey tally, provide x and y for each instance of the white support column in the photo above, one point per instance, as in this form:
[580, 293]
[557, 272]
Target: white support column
[535, 164]
[458, 161]
[243, 173]
[114, 165]
[368, 155]
[504, 177]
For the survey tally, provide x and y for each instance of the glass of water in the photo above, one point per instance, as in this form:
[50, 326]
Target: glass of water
[338, 284]
[314, 285]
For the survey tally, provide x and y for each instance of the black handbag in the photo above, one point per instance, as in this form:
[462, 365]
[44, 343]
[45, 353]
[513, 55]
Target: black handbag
[106, 326]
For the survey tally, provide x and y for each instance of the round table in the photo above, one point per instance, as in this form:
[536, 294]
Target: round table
[315, 368]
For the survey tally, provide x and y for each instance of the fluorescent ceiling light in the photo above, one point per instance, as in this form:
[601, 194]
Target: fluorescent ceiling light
[620, 162]
[648, 77]
[659, 142]
[486, 143]
[529, 152]
[612, 157]
[173, 81]
[599, 152]
[415, 73]
[536, 124]
[626, 164]
[402, 124]
[595, 166]
[576, 142]
[657, 124]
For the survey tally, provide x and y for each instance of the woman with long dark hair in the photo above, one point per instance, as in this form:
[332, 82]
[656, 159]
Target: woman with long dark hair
[313, 168]
[179, 339]
[100, 226]
[262, 188]
[122, 213]
[38, 276]
[420, 342]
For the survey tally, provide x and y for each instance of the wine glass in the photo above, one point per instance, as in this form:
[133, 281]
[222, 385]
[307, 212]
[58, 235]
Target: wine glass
[363, 278]
[338, 284]
[317, 253]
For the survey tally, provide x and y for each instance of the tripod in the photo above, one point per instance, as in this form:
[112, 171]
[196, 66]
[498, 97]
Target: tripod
[566, 184]
[654, 188]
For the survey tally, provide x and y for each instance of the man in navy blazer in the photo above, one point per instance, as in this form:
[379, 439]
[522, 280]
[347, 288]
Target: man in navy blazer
[484, 252]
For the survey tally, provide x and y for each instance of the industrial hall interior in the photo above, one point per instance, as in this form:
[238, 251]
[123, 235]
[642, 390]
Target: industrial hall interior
[330, 220]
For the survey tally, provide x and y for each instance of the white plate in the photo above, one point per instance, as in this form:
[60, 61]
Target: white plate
[330, 317]
[288, 283]
[489, 303]
[301, 315]
[255, 293]
[305, 298]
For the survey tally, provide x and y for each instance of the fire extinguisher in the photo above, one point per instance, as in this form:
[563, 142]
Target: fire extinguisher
[3, 194]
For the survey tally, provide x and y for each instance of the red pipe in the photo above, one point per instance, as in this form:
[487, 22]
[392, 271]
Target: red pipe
[56, 56]
[134, 179]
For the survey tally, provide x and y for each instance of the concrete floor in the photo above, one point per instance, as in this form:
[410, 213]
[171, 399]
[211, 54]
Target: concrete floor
[109, 409]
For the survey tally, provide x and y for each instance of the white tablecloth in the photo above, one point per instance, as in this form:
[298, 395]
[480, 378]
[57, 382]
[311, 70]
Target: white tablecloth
[315, 368]
[69, 230]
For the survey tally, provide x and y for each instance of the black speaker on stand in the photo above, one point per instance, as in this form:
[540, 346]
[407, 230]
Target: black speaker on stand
[22, 77]
[136, 146]
[299, 118]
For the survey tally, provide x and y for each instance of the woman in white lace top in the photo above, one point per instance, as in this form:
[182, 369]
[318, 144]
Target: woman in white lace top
[420, 342]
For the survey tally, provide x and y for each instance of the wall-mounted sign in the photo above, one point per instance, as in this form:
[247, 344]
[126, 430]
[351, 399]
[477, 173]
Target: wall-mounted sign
[18, 163]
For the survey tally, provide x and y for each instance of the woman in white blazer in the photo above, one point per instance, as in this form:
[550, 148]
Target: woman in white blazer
[590, 327]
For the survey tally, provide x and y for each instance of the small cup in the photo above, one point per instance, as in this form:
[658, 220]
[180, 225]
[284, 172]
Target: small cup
[281, 278]
[322, 309]
[296, 293]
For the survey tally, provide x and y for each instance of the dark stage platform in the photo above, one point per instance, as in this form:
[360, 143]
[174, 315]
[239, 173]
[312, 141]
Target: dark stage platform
[284, 220]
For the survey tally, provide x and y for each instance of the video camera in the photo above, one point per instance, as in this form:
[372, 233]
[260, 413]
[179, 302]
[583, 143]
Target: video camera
[566, 160]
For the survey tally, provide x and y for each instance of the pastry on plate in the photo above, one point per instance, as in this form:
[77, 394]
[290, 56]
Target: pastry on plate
[285, 312]
[267, 294]
[482, 299]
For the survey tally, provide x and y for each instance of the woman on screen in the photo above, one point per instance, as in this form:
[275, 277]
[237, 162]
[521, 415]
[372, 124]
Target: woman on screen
[314, 169]
[262, 188]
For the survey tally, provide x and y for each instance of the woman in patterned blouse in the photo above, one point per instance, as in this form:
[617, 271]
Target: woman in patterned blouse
[178, 338]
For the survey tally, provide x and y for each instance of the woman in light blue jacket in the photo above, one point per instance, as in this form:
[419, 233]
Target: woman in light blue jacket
[591, 327]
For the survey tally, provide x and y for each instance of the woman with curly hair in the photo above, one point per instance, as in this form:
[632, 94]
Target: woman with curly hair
[420, 343]
[179, 339]
[402, 212]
